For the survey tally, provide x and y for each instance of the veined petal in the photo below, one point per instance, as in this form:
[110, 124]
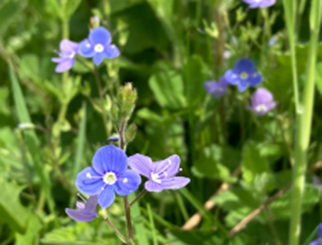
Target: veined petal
[59, 60]
[67, 46]
[231, 77]
[86, 49]
[255, 79]
[174, 183]
[109, 158]
[65, 65]
[106, 197]
[168, 167]
[98, 58]
[111, 51]
[141, 164]
[90, 205]
[127, 183]
[152, 186]
[87, 181]
[100, 35]
[244, 65]
[80, 216]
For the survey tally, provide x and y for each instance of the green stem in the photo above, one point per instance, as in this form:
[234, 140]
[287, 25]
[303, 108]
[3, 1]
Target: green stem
[304, 120]
[154, 235]
[115, 229]
[290, 9]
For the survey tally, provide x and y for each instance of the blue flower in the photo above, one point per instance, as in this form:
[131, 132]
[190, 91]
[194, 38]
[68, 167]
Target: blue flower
[259, 3]
[108, 175]
[98, 46]
[85, 212]
[319, 240]
[67, 55]
[217, 89]
[243, 74]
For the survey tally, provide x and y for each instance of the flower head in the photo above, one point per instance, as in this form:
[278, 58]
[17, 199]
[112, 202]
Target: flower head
[217, 89]
[98, 46]
[108, 175]
[66, 60]
[243, 74]
[160, 174]
[259, 3]
[85, 212]
[319, 240]
[262, 102]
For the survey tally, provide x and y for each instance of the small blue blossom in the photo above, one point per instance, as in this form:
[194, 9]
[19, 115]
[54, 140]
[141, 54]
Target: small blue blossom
[85, 211]
[217, 89]
[259, 3]
[272, 41]
[66, 60]
[262, 102]
[319, 240]
[243, 74]
[108, 175]
[98, 46]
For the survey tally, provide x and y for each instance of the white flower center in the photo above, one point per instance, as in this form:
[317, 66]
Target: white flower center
[155, 178]
[261, 108]
[72, 55]
[109, 178]
[243, 75]
[99, 48]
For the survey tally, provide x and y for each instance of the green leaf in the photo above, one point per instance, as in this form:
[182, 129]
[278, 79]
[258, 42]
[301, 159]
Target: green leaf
[31, 234]
[312, 236]
[196, 237]
[118, 6]
[252, 163]
[29, 66]
[8, 12]
[168, 89]
[31, 139]
[71, 7]
[11, 211]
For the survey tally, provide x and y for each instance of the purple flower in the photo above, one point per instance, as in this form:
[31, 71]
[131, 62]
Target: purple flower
[217, 89]
[243, 74]
[67, 55]
[108, 175]
[319, 240]
[160, 174]
[85, 212]
[98, 46]
[262, 102]
[259, 3]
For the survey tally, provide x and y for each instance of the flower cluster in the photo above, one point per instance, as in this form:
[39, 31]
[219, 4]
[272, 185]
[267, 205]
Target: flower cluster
[109, 174]
[98, 46]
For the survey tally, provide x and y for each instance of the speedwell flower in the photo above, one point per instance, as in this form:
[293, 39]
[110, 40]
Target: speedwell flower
[86, 211]
[217, 89]
[319, 240]
[161, 174]
[108, 175]
[66, 60]
[262, 102]
[98, 46]
[243, 74]
[259, 3]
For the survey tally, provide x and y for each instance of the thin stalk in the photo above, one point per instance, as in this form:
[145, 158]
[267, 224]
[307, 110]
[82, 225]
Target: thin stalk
[304, 126]
[138, 197]
[154, 235]
[290, 8]
[115, 229]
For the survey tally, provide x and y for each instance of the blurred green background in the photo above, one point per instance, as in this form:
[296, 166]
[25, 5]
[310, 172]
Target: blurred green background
[169, 48]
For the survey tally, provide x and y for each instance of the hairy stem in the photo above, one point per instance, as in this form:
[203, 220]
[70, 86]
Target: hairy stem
[138, 197]
[115, 229]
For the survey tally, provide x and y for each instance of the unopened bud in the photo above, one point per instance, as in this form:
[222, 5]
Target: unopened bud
[95, 22]
[130, 132]
[127, 96]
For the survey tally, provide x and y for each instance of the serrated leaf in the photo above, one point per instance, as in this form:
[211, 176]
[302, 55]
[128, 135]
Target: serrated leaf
[11, 211]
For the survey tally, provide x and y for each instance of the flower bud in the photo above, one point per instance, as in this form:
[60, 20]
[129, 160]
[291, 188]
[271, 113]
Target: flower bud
[130, 132]
[127, 96]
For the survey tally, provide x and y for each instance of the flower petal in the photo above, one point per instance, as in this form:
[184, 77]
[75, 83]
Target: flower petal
[244, 65]
[242, 86]
[100, 35]
[86, 49]
[67, 46]
[141, 164]
[88, 185]
[231, 77]
[106, 197]
[90, 205]
[255, 79]
[169, 167]
[109, 158]
[152, 186]
[261, 96]
[111, 51]
[174, 183]
[79, 215]
[58, 60]
[98, 58]
[65, 65]
[127, 183]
